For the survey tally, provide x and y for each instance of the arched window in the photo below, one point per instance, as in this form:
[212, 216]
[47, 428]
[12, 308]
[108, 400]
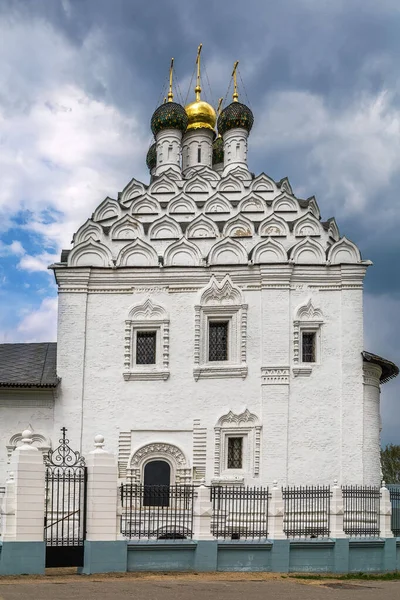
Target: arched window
[157, 477]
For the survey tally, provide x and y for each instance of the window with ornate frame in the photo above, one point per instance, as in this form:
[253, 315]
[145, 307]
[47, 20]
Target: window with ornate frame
[307, 339]
[147, 321]
[221, 303]
[229, 430]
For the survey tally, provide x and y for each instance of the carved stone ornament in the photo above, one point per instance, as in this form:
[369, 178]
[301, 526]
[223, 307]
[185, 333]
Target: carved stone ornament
[181, 471]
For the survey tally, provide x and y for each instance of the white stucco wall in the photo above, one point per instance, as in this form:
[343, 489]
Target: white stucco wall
[312, 425]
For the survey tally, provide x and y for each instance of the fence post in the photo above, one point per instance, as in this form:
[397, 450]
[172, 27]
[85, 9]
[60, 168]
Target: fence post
[337, 512]
[202, 513]
[104, 550]
[8, 509]
[385, 519]
[275, 514]
[207, 546]
[23, 548]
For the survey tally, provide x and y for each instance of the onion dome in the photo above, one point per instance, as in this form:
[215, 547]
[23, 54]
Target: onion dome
[170, 115]
[218, 151]
[151, 158]
[201, 115]
[235, 116]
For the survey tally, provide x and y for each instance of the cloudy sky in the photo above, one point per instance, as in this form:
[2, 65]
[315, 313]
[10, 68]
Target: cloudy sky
[79, 80]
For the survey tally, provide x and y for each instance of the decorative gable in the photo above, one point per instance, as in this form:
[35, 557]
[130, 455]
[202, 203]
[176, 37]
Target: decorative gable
[274, 226]
[145, 206]
[308, 251]
[268, 251]
[252, 204]
[239, 226]
[182, 254]
[264, 186]
[165, 228]
[163, 186]
[343, 251]
[217, 293]
[87, 231]
[90, 254]
[181, 205]
[202, 227]
[134, 189]
[227, 252]
[308, 225]
[285, 203]
[108, 209]
[137, 254]
[217, 204]
[126, 228]
[199, 186]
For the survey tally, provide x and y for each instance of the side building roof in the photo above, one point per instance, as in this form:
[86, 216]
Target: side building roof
[29, 365]
[389, 369]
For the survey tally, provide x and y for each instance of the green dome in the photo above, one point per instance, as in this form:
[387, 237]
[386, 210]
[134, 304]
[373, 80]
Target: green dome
[218, 151]
[169, 116]
[235, 116]
[151, 158]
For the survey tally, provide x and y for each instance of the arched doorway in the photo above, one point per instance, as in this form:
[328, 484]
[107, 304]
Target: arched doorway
[157, 478]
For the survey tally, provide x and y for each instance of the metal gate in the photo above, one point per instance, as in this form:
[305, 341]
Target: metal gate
[65, 509]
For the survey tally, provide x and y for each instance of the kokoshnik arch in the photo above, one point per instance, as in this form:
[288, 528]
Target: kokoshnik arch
[210, 325]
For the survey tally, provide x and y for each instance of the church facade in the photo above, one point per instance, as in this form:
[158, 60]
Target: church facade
[210, 326]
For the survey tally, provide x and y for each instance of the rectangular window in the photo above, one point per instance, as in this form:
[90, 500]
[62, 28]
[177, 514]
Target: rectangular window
[199, 154]
[146, 347]
[235, 452]
[217, 340]
[308, 340]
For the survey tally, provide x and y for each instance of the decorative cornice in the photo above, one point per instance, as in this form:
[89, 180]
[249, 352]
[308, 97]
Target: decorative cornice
[220, 372]
[275, 375]
[302, 371]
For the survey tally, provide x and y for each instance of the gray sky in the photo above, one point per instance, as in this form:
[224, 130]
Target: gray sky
[79, 80]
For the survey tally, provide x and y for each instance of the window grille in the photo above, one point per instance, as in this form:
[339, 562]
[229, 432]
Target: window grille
[235, 452]
[308, 347]
[146, 347]
[218, 341]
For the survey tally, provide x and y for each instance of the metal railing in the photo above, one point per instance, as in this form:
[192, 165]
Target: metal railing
[361, 510]
[306, 511]
[161, 512]
[395, 500]
[239, 512]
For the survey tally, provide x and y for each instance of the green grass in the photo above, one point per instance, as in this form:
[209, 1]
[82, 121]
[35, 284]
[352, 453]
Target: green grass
[363, 576]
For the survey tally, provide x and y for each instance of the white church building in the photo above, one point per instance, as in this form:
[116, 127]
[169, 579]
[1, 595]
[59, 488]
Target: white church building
[210, 326]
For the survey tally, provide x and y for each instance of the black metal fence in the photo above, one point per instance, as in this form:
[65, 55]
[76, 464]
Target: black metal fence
[361, 510]
[306, 511]
[239, 512]
[161, 512]
[395, 500]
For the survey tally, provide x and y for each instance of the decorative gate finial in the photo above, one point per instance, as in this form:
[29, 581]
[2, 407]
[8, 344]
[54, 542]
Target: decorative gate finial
[63, 455]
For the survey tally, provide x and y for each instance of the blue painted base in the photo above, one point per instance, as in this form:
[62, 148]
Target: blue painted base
[162, 555]
[281, 556]
[104, 557]
[22, 558]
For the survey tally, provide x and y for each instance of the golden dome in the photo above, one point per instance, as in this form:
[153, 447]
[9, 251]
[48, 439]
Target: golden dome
[200, 115]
